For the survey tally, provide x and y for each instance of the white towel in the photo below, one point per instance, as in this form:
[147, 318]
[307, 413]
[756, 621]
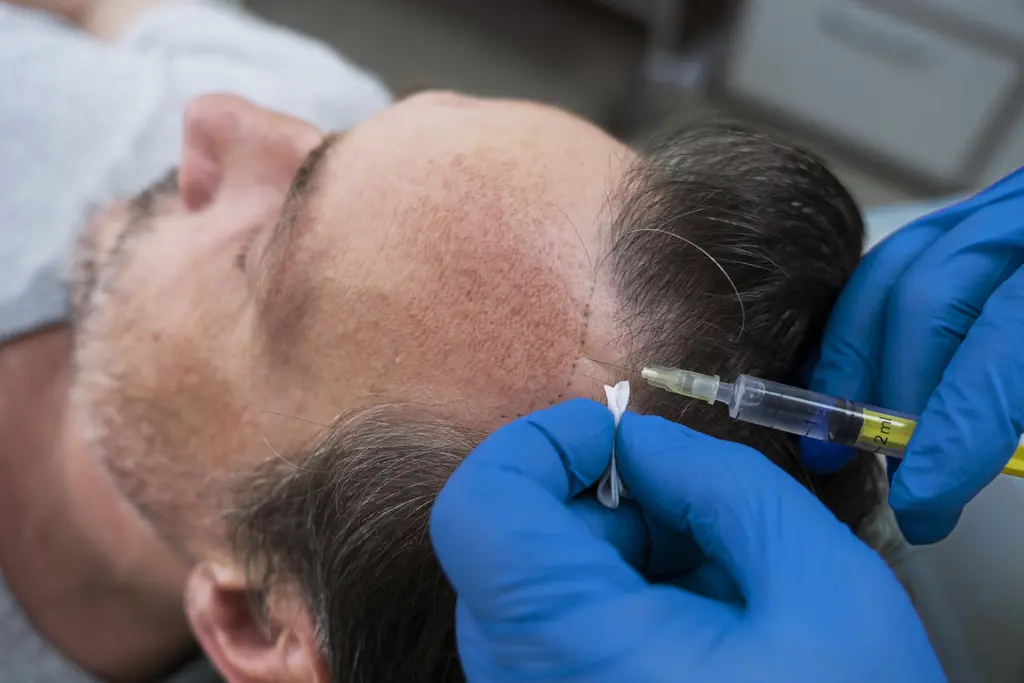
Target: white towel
[610, 488]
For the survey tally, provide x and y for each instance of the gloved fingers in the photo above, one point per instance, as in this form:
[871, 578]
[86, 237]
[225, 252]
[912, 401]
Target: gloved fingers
[711, 581]
[622, 527]
[655, 549]
[851, 348]
[850, 364]
[745, 513]
[971, 425]
[563, 449]
[610, 638]
[660, 551]
[935, 303]
[501, 527]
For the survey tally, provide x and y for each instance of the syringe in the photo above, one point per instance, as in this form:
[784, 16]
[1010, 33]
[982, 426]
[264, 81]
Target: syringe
[803, 412]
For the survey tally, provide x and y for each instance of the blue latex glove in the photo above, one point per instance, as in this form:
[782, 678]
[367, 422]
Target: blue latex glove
[545, 595]
[931, 324]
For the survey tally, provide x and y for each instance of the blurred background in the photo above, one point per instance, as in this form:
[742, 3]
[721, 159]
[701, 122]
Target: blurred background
[906, 98]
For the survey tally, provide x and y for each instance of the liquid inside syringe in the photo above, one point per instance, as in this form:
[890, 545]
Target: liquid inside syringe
[794, 410]
[804, 413]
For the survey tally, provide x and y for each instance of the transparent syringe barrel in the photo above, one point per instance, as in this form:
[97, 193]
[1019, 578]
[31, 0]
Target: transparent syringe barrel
[818, 416]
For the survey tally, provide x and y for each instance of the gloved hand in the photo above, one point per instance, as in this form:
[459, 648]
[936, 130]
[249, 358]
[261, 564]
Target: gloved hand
[931, 324]
[543, 597]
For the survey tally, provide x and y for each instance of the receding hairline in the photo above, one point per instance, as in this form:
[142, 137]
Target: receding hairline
[701, 329]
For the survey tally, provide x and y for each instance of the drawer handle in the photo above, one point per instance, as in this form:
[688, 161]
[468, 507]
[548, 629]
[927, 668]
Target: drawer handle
[869, 40]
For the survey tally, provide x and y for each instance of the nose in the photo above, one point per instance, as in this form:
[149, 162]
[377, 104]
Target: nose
[232, 144]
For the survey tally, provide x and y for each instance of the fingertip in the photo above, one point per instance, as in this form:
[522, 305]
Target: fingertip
[579, 431]
[575, 408]
[580, 422]
[637, 431]
[925, 511]
[823, 457]
[925, 528]
[665, 464]
[563, 449]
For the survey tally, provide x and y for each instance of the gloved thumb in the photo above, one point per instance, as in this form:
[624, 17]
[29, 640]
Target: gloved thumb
[744, 512]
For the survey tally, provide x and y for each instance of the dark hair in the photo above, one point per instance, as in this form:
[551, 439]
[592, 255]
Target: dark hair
[729, 249]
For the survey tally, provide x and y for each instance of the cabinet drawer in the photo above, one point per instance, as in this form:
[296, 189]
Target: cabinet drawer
[1005, 17]
[907, 94]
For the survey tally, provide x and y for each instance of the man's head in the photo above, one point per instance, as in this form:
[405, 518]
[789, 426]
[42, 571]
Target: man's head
[284, 350]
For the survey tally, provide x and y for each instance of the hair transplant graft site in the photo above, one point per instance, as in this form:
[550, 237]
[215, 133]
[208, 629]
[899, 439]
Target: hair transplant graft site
[284, 350]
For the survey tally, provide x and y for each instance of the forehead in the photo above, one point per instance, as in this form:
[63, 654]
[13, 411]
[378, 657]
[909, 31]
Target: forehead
[448, 255]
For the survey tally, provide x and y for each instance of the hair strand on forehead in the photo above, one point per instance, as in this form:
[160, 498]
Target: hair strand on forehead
[718, 264]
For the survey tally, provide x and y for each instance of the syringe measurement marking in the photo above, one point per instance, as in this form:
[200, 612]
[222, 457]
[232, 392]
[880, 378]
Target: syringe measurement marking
[774, 405]
[817, 411]
[885, 427]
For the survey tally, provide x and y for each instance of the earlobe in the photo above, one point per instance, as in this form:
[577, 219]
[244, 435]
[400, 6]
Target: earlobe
[247, 639]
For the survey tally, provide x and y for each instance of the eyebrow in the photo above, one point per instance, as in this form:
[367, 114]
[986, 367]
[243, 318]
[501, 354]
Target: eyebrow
[300, 196]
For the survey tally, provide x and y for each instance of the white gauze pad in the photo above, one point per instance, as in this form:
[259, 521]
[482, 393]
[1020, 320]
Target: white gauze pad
[610, 488]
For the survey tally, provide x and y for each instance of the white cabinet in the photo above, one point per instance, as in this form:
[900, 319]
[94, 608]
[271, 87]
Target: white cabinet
[903, 92]
[1004, 18]
[1008, 155]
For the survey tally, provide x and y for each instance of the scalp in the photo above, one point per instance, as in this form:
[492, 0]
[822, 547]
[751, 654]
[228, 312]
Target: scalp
[476, 294]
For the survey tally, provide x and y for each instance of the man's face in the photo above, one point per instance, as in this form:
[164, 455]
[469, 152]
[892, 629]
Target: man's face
[445, 253]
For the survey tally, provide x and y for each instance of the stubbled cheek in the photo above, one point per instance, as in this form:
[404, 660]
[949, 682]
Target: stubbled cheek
[164, 353]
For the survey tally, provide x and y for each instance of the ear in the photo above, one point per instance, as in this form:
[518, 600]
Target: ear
[249, 638]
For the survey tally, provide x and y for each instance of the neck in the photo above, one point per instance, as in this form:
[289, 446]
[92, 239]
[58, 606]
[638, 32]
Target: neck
[84, 568]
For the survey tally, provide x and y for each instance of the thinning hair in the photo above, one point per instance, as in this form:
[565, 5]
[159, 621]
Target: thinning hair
[729, 248]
